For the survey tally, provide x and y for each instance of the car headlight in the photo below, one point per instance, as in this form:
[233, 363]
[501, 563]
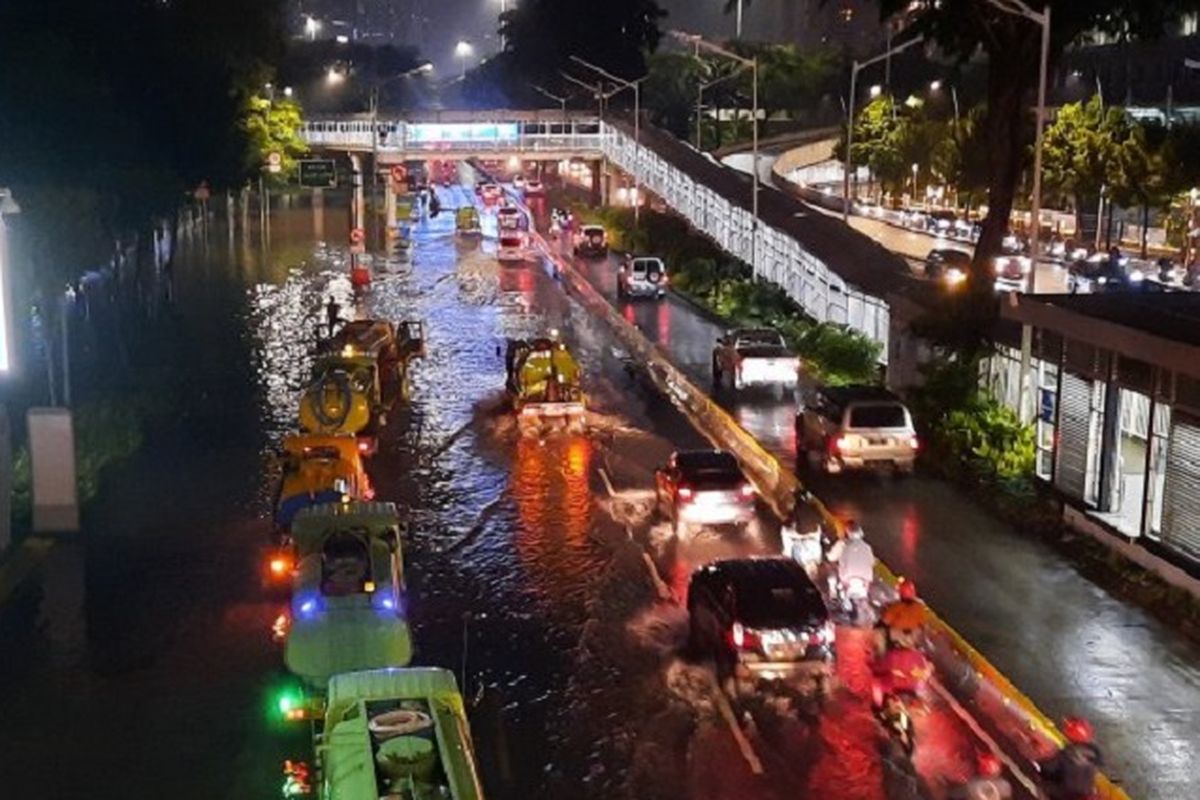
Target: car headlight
[1137, 276]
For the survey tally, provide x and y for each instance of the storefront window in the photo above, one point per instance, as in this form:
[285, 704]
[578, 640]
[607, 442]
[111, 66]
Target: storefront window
[1047, 414]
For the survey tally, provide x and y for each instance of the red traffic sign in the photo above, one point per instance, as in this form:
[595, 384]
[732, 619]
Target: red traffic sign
[357, 236]
[399, 172]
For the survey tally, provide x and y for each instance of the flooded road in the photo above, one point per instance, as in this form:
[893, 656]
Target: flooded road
[536, 568]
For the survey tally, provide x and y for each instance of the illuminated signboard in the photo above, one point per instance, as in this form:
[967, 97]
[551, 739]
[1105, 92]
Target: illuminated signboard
[463, 132]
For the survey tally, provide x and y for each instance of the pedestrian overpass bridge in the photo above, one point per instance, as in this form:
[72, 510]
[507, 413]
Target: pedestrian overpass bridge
[457, 134]
[834, 273]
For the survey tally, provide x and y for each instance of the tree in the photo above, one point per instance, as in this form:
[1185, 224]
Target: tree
[1142, 174]
[959, 158]
[273, 127]
[1012, 45]
[669, 93]
[1081, 153]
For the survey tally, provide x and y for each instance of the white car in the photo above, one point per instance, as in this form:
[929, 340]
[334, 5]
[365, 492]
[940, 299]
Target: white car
[856, 428]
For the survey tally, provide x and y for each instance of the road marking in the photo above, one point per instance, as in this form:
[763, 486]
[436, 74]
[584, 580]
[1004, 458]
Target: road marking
[607, 483]
[738, 736]
[1029, 784]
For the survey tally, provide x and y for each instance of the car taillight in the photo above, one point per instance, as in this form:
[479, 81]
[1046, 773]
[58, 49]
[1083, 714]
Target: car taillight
[280, 566]
[743, 638]
[823, 635]
[686, 493]
[747, 490]
[914, 443]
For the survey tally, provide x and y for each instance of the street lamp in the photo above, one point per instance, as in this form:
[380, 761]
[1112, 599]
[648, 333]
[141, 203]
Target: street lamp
[287, 91]
[1020, 9]
[875, 90]
[561, 100]
[311, 26]
[752, 63]
[936, 86]
[637, 122]
[854, 70]
[463, 50]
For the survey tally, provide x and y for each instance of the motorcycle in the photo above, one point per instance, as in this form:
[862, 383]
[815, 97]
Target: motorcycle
[903, 672]
[852, 598]
[897, 724]
[805, 549]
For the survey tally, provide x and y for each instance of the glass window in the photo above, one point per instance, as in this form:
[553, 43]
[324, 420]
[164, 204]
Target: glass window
[1160, 429]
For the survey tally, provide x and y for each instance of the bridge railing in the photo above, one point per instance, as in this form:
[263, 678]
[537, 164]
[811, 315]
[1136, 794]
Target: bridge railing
[822, 293]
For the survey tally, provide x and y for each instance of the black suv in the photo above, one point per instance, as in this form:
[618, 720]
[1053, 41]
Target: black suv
[761, 620]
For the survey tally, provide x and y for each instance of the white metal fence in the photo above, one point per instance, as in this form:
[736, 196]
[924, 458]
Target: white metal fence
[811, 282]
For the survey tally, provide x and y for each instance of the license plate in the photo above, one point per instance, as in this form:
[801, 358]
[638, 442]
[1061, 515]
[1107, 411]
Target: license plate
[877, 442]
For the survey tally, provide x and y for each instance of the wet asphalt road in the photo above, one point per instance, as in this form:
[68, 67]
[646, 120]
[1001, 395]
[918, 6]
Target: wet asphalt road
[1066, 643]
[146, 657]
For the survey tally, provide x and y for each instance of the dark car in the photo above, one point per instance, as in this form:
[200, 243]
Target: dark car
[947, 264]
[761, 620]
[703, 487]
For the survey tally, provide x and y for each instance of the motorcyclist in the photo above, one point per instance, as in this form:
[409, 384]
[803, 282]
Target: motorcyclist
[902, 622]
[853, 556]
[900, 671]
[989, 782]
[806, 547]
[1071, 773]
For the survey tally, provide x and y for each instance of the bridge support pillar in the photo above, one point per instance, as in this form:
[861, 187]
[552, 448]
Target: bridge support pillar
[389, 206]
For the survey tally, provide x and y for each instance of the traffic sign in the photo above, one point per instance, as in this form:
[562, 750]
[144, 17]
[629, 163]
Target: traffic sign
[274, 162]
[318, 173]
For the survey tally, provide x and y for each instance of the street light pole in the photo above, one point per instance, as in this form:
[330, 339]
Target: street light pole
[1020, 9]
[752, 64]
[738, 35]
[855, 67]
[637, 127]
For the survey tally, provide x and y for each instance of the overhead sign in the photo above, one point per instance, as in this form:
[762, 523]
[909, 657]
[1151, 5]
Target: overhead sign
[318, 173]
[463, 132]
[52, 461]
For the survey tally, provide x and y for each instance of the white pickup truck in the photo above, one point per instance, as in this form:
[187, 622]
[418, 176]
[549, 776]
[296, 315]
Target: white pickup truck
[754, 357]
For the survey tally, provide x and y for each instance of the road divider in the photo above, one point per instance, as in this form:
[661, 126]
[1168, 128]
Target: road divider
[1025, 733]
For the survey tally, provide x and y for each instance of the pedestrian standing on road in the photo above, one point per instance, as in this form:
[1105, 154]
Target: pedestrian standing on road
[333, 315]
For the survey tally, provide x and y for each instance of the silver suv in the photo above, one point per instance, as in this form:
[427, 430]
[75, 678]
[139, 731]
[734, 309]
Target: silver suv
[642, 277]
[856, 428]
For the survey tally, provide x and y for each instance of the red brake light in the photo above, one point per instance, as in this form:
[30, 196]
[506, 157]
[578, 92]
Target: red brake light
[743, 638]
[685, 492]
[747, 490]
[841, 443]
[280, 566]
